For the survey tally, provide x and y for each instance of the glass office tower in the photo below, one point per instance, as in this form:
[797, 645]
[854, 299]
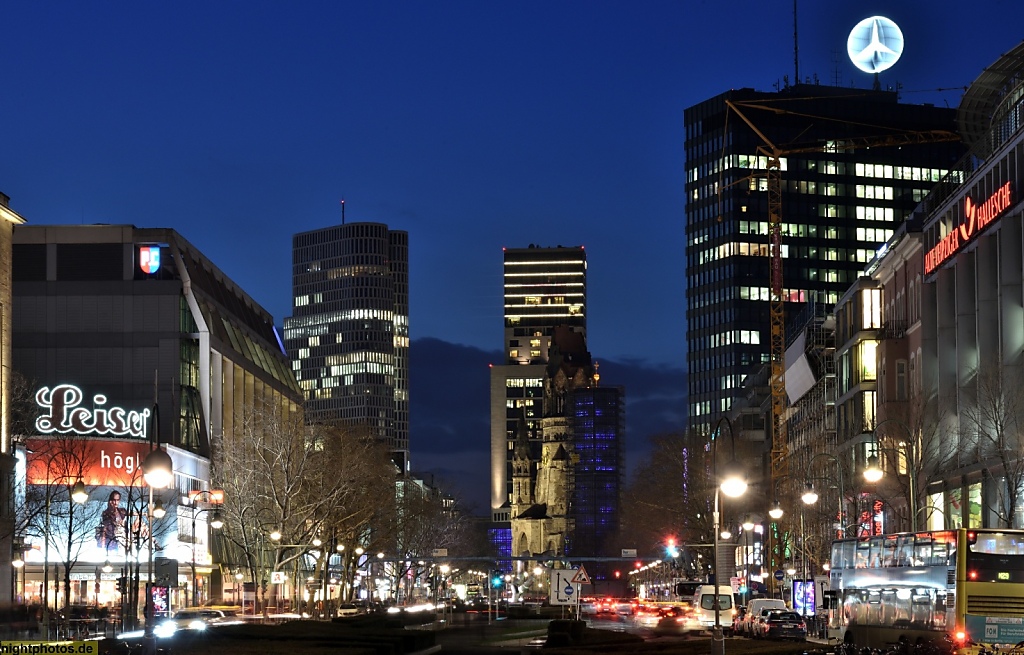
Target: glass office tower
[348, 336]
[839, 206]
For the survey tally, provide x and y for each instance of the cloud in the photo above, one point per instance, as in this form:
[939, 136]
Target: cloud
[449, 411]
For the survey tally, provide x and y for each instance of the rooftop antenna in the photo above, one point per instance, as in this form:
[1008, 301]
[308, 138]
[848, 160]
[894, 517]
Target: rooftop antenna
[796, 50]
[342, 211]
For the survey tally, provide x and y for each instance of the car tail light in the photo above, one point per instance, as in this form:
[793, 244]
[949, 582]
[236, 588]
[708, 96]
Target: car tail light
[960, 636]
[802, 626]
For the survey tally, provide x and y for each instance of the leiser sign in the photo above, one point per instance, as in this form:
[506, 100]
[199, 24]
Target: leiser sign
[976, 218]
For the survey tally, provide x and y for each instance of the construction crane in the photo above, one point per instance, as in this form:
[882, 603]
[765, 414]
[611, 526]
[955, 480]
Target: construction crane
[774, 155]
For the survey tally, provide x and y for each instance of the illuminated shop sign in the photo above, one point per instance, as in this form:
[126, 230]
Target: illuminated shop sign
[63, 415]
[97, 462]
[976, 218]
[149, 259]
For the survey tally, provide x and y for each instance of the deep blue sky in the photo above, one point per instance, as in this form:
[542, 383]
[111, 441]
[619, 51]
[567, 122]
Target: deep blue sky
[473, 125]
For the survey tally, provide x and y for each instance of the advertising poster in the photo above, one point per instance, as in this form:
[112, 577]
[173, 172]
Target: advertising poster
[803, 597]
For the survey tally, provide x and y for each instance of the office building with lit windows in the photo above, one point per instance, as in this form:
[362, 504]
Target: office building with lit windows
[543, 288]
[838, 206]
[348, 336]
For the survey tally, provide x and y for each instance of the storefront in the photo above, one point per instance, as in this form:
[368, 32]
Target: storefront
[128, 335]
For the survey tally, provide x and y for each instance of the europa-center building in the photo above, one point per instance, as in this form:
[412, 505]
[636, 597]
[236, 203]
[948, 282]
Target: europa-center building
[117, 330]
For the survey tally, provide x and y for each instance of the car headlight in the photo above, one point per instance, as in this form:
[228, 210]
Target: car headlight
[165, 629]
[197, 625]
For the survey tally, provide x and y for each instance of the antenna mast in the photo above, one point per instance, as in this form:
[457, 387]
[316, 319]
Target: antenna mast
[796, 50]
[342, 211]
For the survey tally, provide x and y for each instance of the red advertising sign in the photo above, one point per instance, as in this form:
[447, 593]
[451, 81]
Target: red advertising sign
[976, 218]
[99, 462]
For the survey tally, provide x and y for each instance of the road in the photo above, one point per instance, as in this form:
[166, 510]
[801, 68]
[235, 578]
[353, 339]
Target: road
[503, 638]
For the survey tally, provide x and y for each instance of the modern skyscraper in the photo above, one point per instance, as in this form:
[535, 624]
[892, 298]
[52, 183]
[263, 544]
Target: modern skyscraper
[348, 336]
[543, 288]
[839, 206]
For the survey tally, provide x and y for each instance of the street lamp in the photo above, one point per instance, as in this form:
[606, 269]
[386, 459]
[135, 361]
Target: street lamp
[158, 473]
[215, 522]
[842, 497]
[733, 485]
[873, 472]
[748, 526]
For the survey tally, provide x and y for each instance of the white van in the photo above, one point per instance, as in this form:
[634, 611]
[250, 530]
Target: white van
[704, 607]
[754, 608]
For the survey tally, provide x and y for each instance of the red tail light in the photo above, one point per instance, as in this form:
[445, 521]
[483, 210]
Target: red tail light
[803, 626]
[973, 575]
[960, 636]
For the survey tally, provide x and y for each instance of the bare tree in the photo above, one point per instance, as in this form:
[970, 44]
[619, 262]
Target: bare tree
[313, 483]
[994, 425]
[914, 448]
[411, 528]
[670, 495]
[65, 526]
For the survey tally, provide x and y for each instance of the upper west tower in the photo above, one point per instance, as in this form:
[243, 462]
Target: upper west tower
[544, 288]
[348, 336]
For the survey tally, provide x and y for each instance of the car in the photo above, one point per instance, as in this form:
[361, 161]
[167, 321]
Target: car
[196, 619]
[785, 625]
[758, 625]
[678, 620]
[738, 620]
[350, 609]
[647, 616]
[755, 607]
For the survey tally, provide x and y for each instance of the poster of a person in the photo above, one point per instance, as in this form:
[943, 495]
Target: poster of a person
[111, 523]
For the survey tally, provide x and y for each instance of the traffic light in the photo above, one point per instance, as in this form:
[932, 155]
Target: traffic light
[122, 584]
[496, 581]
[670, 547]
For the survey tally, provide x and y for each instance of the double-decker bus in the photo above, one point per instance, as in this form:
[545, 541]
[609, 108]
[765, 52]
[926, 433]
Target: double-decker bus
[967, 585]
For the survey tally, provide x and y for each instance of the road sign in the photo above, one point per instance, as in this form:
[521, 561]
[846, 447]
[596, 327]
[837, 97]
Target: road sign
[563, 591]
[779, 575]
[629, 552]
[581, 577]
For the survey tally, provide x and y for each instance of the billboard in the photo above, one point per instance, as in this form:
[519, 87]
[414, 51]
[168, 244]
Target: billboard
[96, 462]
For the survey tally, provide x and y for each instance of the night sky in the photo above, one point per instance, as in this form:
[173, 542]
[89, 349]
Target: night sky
[473, 125]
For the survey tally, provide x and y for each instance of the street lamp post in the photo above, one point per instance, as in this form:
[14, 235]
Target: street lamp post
[215, 522]
[842, 498]
[733, 485]
[158, 473]
[873, 472]
[748, 526]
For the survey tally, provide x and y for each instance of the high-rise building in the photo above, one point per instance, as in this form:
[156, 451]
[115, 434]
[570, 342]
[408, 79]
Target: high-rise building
[839, 206]
[598, 421]
[348, 336]
[543, 288]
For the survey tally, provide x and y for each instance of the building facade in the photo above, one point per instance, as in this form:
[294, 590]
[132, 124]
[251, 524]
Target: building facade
[128, 336]
[348, 336]
[544, 288]
[8, 220]
[839, 205]
[972, 313]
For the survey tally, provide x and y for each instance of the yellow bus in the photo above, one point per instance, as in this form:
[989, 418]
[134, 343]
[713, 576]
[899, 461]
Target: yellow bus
[912, 588]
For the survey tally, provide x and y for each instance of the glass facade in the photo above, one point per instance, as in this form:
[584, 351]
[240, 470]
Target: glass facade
[348, 337]
[839, 206]
[598, 424]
